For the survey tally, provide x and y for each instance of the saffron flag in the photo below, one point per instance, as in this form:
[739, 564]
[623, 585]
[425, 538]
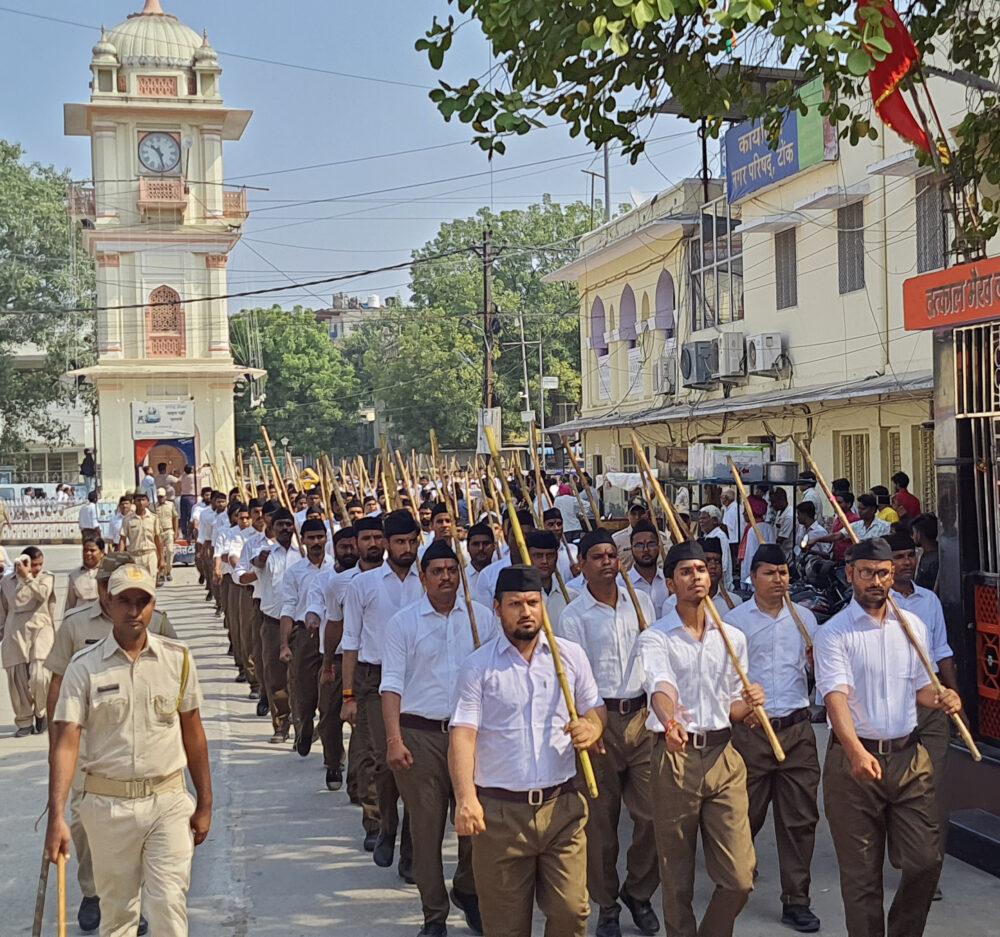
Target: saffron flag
[886, 76]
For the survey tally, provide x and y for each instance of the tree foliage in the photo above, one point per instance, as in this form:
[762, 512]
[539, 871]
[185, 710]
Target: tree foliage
[434, 375]
[311, 390]
[604, 66]
[43, 270]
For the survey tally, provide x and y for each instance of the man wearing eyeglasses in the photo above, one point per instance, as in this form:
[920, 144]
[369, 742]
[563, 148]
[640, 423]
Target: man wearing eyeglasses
[878, 780]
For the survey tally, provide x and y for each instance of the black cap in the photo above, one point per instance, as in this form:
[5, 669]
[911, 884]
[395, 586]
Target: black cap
[710, 545]
[282, 514]
[644, 527]
[313, 526]
[481, 530]
[439, 508]
[679, 552]
[438, 550]
[552, 514]
[594, 538]
[876, 549]
[399, 524]
[367, 523]
[768, 553]
[901, 541]
[255, 503]
[541, 540]
[517, 579]
[345, 533]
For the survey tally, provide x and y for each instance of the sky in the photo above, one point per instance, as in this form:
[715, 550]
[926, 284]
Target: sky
[303, 115]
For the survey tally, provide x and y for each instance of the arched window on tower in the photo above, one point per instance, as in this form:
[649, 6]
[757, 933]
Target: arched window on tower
[598, 326]
[663, 314]
[165, 324]
[626, 318]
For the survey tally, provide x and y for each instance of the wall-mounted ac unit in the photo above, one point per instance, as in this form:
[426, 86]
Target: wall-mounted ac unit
[764, 354]
[699, 362]
[665, 374]
[732, 362]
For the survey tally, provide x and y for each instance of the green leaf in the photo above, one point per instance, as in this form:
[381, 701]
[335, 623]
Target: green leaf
[880, 43]
[666, 8]
[622, 3]
[616, 26]
[859, 63]
[642, 14]
[583, 28]
[600, 26]
[618, 45]
[436, 56]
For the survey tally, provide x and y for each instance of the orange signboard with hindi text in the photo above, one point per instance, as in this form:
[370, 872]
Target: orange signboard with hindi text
[959, 295]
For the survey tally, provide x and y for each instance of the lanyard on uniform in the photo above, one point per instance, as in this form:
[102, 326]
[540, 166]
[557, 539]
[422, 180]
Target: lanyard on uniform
[185, 673]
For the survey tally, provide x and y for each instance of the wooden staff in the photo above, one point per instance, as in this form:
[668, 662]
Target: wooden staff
[283, 496]
[492, 507]
[709, 606]
[583, 482]
[789, 604]
[43, 883]
[963, 729]
[408, 485]
[264, 475]
[61, 881]
[345, 521]
[452, 504]
[515, 526]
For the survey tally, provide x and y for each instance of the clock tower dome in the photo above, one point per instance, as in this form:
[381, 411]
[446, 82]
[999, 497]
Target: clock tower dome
[160, 224]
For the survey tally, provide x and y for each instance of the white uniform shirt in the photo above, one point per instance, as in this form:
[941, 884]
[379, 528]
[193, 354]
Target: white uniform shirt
[518, 709]
[720, 603]
[476, 585]
[927, 607]
[569, 509]
[698, 675]
[777, 654]
[555, 602]
[88, 516]
[326, 599]
[272, 578]
[565, 560]
[423, 652]
[767, 532]
[117, 519]
[875, 665]
[656, 590]
[486, 583]
[731, 519]
[815, 531]
[816, 497]
[727, 554]
[784, 525]
[252, 545]
[879, 528]
[608, 637]
[373, 597]
[206, 524]
[196, 513]
[295, 590]
[222, 537]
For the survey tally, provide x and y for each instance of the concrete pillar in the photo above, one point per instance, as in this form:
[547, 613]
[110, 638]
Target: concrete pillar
[211, 158]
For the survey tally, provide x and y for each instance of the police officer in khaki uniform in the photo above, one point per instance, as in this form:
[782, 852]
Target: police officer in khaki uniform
[166, 514]
[142, 536]
[82, 586]
[83, 626]
[137, 696]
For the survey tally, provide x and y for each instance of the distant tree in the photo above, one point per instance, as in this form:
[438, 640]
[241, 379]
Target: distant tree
[43, 272]
[311, 389]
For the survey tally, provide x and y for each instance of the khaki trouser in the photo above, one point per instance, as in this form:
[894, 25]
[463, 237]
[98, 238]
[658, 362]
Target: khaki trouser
[702, 789]
[362, 737]
[81, 846]
[528, 852]
[147, 559]
[29, 687]
[385, 784]
[622, 776]
[249, 618]
[330, 727]
[864, 817]
[142, 845]
[168, 553]
[934, 728]
[791, 787]
[275, 674]
[426, 790]
[307, 662]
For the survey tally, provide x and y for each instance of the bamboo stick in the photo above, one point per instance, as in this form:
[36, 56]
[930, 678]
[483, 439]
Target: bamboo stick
[283, 495]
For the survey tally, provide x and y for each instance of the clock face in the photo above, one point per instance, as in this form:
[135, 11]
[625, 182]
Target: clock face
[159, 152]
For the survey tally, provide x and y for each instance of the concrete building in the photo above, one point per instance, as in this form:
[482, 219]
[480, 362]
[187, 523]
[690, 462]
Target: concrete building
[160, 225]
[347, 313]
[772, 308]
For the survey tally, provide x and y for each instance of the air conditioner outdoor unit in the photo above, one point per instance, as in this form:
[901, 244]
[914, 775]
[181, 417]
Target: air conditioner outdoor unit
[665, 374]
[731, 358]
[764, 354]
[699, 362]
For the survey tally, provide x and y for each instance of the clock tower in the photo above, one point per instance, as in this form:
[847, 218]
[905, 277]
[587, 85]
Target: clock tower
[160, 224]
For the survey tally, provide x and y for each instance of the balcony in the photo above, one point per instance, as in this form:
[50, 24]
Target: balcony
[162, 193]
[234, 204]
[82, 201]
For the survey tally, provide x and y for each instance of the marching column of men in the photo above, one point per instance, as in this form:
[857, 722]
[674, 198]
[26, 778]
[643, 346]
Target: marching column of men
[456, 707]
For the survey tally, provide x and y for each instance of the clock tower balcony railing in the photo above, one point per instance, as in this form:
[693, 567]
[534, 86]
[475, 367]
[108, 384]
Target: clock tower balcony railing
[234, 204]
[157, 193]
[82, 201]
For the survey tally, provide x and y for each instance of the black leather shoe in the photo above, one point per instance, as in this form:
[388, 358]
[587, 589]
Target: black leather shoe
[607, 923]
[143, 927]
[469, 906]
[334, 779]
[799, 918]
[384, 850]
[23, 731]
[937, 894]
[405, 870]
[41, 724]
[89, 915]
[433, 929]
[371, 839]
[253, 694]
[263, 708]
[643, 915]
[304, 739]
[241, 677]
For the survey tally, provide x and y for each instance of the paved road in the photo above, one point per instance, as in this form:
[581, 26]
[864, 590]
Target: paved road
[284, 859]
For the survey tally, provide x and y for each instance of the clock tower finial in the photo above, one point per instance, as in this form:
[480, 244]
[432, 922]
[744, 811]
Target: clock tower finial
[152, 8]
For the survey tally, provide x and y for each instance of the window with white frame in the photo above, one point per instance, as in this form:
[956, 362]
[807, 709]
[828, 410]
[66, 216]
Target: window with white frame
[715, 267]
[786, 275]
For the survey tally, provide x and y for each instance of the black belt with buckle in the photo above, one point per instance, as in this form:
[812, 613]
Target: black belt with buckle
[711, 739]
[534, 798]
[884, 746]
[625, 707]
[792, 719]
[411, 721]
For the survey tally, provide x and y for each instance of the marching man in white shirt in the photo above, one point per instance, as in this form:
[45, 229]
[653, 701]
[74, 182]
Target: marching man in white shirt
[543, 553]
[512, 764]
[425, 644]
[699, 779]
[778, 662]
[372, 599]
[878, 780]
[605, 623]
[645, 573]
